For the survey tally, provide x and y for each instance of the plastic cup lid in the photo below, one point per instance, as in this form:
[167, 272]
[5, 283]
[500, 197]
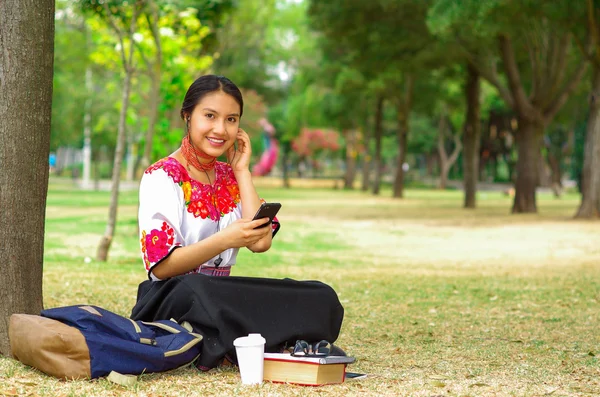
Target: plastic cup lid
[250, 340]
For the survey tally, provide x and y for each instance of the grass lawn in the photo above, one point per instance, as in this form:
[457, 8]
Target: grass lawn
[439, 301]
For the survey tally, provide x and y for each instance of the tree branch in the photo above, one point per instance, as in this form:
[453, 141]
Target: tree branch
[153, 25]
[137, 9]
[593, 28]
[118, 31]
[559, 66]
[551, 60]
[147, 62]
[587, 54]
[522, 104]
[490, 74]
[457, 148]
[441, 136]
[560, 99]
[533, 51]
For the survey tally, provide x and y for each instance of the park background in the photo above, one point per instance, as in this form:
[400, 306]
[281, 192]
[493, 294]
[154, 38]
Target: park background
[438, 163]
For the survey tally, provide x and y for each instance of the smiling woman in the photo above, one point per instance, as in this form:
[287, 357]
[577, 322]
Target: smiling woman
[195, 214]
[191, 214]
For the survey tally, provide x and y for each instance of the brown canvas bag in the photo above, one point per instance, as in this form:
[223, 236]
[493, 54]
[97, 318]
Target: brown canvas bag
[49, 345]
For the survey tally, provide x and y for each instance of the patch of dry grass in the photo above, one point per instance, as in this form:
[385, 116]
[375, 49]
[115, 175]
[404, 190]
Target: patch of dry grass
[439, 301]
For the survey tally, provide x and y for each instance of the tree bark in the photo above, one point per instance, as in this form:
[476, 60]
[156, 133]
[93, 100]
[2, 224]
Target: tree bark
[471, 137]
[378, 135]
[402, 121]
[366, 161]
[431, 159]
[555, 174]
[285, 175]
[404, 108]
[26, 66]
[350, 175]
[446, 162]
[529, 142]
[590, 183]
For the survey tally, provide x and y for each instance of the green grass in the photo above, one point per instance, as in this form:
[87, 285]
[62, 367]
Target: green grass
[439, 301]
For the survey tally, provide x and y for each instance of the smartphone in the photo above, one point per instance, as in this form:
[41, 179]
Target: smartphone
[267, 210]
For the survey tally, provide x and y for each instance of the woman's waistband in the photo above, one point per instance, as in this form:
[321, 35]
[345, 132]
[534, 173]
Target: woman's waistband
[215, 271]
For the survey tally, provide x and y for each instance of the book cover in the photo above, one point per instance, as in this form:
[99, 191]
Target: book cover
[314, 360]
[310, 371]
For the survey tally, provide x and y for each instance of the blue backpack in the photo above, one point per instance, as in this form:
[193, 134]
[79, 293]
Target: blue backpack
[109, 342]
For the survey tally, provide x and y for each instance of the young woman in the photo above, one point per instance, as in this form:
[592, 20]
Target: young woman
[195, 214]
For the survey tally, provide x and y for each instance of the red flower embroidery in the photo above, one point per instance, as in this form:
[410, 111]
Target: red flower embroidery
[202, 201]
[157, 243]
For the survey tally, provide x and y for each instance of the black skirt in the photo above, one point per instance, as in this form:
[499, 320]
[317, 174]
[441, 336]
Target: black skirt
[224, 308]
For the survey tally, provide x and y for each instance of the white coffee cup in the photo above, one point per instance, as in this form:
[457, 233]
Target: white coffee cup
[250, 351]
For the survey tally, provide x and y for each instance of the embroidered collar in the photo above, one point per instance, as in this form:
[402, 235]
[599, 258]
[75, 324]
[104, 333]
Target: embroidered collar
[199, 197]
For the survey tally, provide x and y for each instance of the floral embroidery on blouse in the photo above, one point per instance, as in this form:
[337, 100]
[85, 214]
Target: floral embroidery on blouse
[203, 200]
[157, 243]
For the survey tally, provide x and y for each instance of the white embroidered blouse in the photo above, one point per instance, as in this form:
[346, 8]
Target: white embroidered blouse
[176, 211]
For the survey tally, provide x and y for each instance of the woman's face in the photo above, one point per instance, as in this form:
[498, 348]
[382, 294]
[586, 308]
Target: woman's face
[214, 123]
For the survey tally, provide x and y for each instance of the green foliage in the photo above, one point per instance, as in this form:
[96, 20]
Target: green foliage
[422, 139]
[68, 96]
[305, 64]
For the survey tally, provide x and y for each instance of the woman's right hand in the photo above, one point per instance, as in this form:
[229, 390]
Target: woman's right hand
[242, 232]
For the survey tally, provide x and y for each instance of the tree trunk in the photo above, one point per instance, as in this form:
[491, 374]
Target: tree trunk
[590, 183]
[378, 136]
[87, 130]
[351, 136]
[366, 161]
[285, 148]
[430, 160]
[402, 121]
[529, 142]
[155, 69]
[471, 137]
[105, 242]
[446, 162]
[441, 146]
[26, 66]
[555, 173]
[153, 114]
[131, 155]
[127, 61]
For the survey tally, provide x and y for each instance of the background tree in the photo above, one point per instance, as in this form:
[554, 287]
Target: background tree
[471, 135]
[525, 41]
[123, 20]
[154, 69]
[590, 180]
[26, 64]
[390, 44]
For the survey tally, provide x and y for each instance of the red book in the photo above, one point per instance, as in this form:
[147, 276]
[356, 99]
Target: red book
[309, 371]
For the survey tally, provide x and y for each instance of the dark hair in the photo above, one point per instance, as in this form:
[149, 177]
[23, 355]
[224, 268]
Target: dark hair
[205, 85]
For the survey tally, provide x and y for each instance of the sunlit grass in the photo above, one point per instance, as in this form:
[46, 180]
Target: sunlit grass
[439, 300]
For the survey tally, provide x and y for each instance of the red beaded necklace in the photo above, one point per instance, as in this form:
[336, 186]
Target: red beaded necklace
[191, 154]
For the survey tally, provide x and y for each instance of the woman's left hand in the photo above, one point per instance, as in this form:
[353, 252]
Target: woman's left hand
[240, 159]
